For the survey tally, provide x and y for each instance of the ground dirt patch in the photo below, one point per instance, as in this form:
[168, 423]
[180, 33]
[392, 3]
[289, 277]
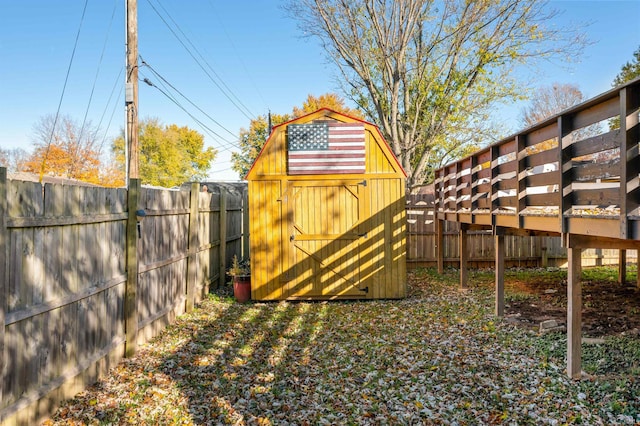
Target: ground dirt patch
[609, 308]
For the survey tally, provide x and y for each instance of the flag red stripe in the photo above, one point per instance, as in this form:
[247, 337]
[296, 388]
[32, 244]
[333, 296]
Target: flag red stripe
[345, 132]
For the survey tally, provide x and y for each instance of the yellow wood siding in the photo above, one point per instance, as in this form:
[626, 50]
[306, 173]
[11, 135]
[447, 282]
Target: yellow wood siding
[273, 159]
[265, 217]
[378, 160]
[329, 255]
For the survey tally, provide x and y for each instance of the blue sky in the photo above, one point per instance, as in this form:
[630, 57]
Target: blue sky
[253, 48]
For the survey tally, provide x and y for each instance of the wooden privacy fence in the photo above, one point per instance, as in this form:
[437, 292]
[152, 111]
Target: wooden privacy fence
[525, 251]
[69, 309]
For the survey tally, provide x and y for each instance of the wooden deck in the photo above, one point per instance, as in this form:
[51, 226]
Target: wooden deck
[570, 175]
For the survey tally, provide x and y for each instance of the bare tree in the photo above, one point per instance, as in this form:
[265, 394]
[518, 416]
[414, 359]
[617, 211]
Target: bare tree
[13, 159]
[550, 100]
[427, 72]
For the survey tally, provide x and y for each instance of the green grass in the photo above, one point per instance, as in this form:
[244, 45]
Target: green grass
[608, 273]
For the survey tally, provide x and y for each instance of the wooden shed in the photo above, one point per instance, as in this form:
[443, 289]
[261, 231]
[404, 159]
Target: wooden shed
[327, 212]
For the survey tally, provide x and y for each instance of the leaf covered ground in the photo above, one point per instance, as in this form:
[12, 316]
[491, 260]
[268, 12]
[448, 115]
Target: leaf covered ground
[437, 357]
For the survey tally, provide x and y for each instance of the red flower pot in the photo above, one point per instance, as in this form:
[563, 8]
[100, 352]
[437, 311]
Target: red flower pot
[242, 288]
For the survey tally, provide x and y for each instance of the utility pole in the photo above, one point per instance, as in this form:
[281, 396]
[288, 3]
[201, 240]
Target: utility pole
[133, 181]
[131, 89]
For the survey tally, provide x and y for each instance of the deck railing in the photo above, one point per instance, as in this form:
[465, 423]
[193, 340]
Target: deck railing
[571, 173]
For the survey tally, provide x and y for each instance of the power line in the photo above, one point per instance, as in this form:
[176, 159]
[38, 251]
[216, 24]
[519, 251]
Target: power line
[186, 98]
[95, 80]
[225, 147]
[244, 111]
[235, 50]
[225, 144]
[205, 60]
[113, 89]
[64, 88]
[221, 170]
[117, 102]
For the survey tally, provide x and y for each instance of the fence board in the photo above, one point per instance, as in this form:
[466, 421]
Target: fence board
[541, 158]
[541, 179]
[192, 266]
[4, 277]
[63, 284]
[223, 236]
[597, 143]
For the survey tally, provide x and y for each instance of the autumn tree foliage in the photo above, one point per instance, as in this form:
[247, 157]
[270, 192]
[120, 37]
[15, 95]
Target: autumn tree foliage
[328, 100]
[428, 72]
[169, 155]
[253, 139]
[63, 148]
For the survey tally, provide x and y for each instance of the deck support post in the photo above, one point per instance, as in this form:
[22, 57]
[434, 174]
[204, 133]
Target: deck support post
[440, 245]
[544, 260]
[464, 256]
[499, 247]
[574, 314]
[622, 266]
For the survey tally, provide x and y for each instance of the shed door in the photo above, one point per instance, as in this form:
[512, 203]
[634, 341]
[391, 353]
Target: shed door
[326, 231]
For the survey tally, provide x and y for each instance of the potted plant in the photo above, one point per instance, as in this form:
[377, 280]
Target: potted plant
[240, 273]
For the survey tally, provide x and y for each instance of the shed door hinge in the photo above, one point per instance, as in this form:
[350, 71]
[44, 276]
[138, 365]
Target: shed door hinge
[363, 183]
[366, 289]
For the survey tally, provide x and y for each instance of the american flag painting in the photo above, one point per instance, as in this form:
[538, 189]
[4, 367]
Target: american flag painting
[326, 148]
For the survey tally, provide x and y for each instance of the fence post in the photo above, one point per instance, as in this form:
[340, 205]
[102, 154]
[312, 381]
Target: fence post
[130, 302]
[499, 252]
[599, 257]
[4, 275]
[439, 244]
[565, 163]
[245, 223]
[545, 257]
[521, 185]
[192, 250]
[629, 124]
[464, 256]
[223, 236]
